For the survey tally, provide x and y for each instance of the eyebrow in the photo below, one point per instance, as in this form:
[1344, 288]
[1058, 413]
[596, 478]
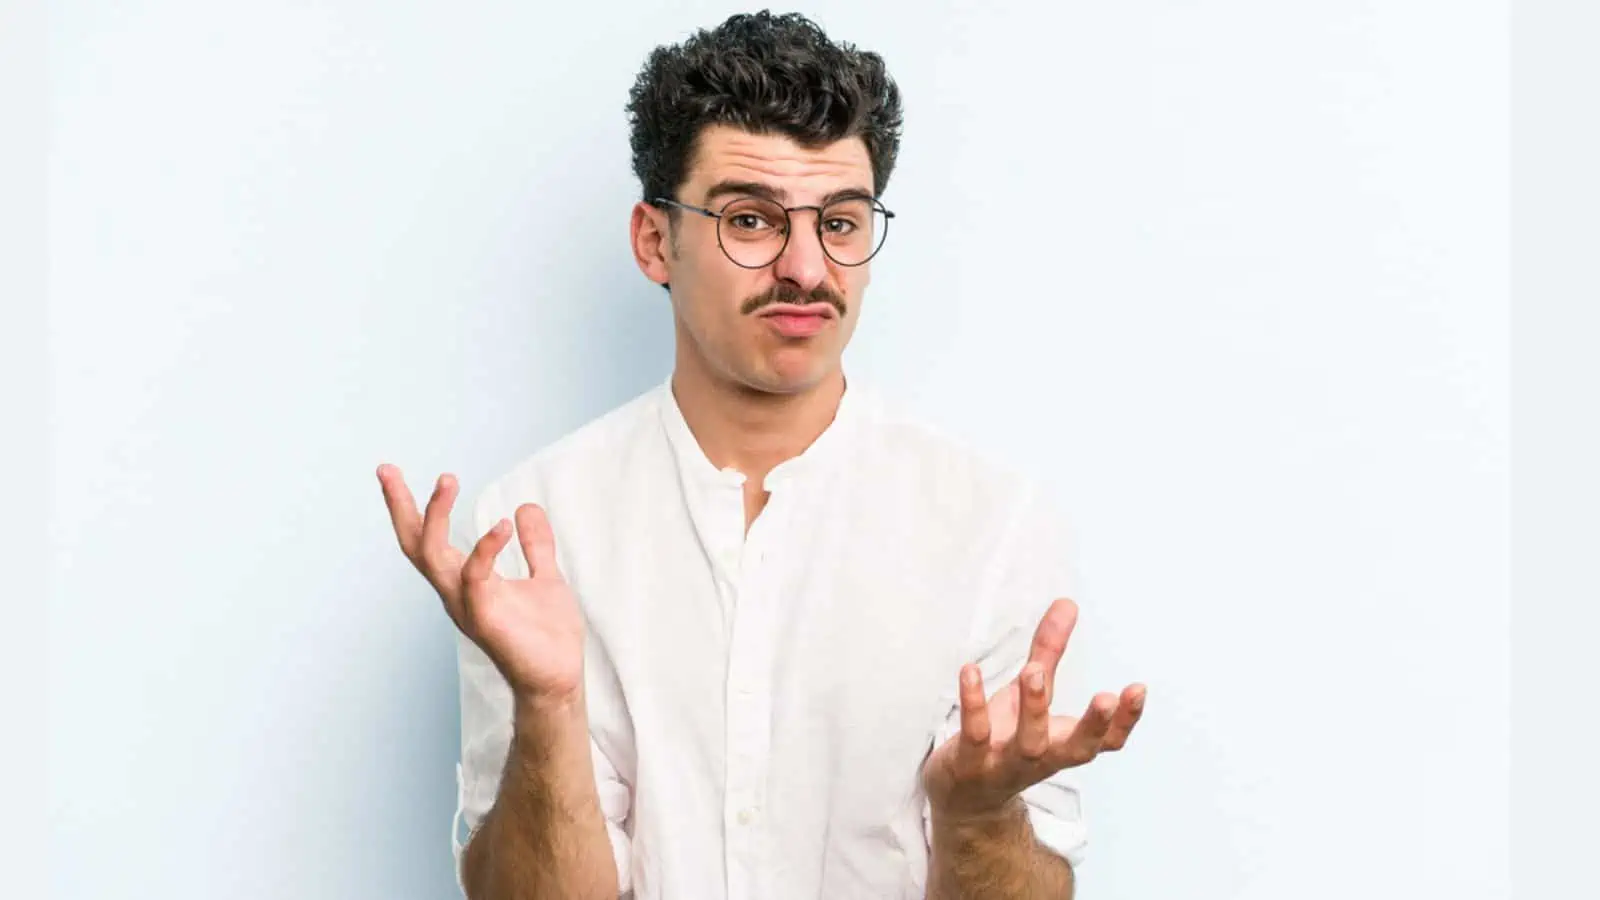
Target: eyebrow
[779, 195]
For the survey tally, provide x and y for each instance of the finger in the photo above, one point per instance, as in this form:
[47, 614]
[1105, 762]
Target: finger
[476, 570]
[480, 563]
[1078, 741]
[402, 510]
[1126, 716]
[436, 522]
[974, 709]
[1033, 719]
[538, 541]
[1050, 638]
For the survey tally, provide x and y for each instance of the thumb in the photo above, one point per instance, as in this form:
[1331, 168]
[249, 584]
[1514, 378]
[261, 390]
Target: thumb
[538, 541]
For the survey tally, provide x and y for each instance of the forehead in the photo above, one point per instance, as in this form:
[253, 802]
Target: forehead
[799, 173]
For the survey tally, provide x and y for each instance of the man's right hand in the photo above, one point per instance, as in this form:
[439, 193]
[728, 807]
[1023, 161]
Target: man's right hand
[531, 628]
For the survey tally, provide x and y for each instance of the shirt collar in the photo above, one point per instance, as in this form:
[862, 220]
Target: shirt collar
[831, 448]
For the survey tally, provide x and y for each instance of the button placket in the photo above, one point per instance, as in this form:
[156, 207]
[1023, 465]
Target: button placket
[749, 712]
[740, 764]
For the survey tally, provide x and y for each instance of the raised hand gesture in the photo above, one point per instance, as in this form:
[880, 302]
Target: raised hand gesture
[531, 628]
[1010, 741]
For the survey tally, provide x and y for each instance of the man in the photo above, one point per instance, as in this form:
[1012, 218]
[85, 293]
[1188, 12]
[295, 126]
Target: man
[746, 646]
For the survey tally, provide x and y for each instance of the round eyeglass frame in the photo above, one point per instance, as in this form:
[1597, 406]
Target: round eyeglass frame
[788, 227]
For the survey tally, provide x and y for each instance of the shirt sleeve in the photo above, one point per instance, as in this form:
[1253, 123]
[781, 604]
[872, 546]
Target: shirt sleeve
[1033, 566]
[486, 741]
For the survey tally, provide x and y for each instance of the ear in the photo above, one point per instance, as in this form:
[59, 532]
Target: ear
[652, 245]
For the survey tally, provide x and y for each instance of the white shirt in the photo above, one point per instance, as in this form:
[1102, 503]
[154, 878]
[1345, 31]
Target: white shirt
[760, 705]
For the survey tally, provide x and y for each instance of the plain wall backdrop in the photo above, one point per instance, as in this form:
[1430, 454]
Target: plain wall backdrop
[1232, 276]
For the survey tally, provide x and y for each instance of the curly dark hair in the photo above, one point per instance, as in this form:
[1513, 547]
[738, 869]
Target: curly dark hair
[763, 73]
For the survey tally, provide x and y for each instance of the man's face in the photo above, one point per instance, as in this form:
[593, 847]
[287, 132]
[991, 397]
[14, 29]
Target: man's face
[781, 328]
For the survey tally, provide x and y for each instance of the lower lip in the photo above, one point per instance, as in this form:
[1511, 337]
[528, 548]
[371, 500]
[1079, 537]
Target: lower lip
[797, 326]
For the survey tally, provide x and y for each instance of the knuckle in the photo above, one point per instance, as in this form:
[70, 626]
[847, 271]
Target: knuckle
[419, 560]
[474, 592]
[408, 549]
[1070, 756]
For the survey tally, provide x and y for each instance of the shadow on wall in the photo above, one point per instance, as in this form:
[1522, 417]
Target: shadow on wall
[624, 338]
[607, 338]
[608, 331]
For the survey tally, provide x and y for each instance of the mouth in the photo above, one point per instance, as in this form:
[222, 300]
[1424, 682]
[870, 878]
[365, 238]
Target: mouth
[794, 321]
[821, 310]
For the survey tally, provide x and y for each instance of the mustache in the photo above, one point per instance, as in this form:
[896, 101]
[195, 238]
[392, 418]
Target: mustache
[788, 293]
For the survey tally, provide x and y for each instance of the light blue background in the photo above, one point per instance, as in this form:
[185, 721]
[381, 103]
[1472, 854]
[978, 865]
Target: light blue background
[1232, 276]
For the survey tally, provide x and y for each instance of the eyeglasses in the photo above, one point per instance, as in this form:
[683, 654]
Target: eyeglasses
[753, 231]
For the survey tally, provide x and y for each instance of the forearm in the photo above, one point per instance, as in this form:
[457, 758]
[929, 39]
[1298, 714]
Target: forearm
[994, 857]
[545, 836]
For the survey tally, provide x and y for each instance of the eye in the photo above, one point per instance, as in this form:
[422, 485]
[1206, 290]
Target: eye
[839, 226]
[749, 221]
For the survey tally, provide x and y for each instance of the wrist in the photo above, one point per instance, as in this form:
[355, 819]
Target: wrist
[547, 716]
[969, 822]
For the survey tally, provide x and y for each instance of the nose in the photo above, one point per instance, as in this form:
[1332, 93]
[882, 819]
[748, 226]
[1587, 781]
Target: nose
[802, 262]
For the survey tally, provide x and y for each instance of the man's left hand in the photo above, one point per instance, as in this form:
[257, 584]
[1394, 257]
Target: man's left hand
[1010, 741]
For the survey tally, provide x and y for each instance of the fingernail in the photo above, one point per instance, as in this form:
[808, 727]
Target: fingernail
[970, 678]
[1036, 680]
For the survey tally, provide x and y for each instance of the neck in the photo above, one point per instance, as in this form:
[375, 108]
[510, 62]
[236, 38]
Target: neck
[751, 430]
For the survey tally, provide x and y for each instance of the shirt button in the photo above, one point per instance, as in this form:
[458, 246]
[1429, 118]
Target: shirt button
[747, 815]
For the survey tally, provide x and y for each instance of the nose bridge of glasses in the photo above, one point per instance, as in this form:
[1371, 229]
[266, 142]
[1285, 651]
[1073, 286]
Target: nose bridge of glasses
[803, 250]
[816, 224]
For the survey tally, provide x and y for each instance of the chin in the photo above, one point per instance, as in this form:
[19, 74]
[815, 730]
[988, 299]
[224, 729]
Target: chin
[794, 379]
